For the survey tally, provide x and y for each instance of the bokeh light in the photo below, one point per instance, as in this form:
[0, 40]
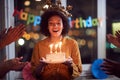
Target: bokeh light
[21, 41]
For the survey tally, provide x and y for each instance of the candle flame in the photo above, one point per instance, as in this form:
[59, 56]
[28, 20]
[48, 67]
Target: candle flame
[56, 46]
[51, 46]
[60, 46]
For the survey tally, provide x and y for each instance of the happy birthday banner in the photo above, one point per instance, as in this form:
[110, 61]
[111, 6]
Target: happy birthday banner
[77, 23]
[82, 23]
[29, 18]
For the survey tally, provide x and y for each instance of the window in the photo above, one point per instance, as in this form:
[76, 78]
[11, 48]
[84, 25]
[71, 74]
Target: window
[84, 27]
[113, 24]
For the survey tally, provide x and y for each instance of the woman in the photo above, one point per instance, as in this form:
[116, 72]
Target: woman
[54, 25]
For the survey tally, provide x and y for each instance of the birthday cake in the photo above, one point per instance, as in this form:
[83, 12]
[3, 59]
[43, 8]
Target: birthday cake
[55, 58]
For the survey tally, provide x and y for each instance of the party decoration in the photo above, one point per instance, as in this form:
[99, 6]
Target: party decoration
[29, 18]
[97, 71]
[84, 23]
[77, 23]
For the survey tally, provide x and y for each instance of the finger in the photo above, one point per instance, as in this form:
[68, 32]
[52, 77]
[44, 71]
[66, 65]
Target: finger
[106, 68]
[119, 31]
[20, 58]
[108, 35]
[117, 34]
[42, 61]
[18, 35]
[107, 65]
[19, 31]
[109, 61]
[20, 26]
[109, 73]
[43, 58]
[9, 29]
[110, 38]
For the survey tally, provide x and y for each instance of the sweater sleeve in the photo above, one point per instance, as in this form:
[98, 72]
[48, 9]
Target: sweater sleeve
[77, 64]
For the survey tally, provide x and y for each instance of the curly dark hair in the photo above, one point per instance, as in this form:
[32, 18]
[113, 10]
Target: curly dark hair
[44, 22]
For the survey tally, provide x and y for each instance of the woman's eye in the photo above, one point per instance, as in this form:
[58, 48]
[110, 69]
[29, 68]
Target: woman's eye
[53, 24]
[50, 24]
[58, 24]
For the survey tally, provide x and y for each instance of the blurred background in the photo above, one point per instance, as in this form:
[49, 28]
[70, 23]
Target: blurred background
[90, 22]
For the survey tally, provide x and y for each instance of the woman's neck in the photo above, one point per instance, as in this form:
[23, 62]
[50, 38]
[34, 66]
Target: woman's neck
[55, 39]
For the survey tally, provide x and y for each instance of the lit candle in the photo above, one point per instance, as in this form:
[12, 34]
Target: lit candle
[60, 46]
[56, 46]
[51, 47]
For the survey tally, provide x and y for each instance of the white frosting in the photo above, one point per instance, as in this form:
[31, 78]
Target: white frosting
[55, 57]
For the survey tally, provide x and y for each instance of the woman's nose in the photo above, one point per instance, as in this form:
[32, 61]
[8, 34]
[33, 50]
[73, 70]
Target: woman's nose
[55, 25]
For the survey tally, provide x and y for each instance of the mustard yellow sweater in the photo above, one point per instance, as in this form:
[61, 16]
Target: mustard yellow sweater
[69, 46]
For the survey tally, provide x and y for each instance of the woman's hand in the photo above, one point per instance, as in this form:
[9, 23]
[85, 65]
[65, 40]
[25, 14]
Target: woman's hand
[40, 68]
[68, 62]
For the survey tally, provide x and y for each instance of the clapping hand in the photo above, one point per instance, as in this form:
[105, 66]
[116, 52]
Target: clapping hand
[111, 67]
[11, 35]
[15, 64]
[118, 35]
[114, 40]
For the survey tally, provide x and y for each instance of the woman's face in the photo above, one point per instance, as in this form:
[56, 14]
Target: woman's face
[55, 26]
